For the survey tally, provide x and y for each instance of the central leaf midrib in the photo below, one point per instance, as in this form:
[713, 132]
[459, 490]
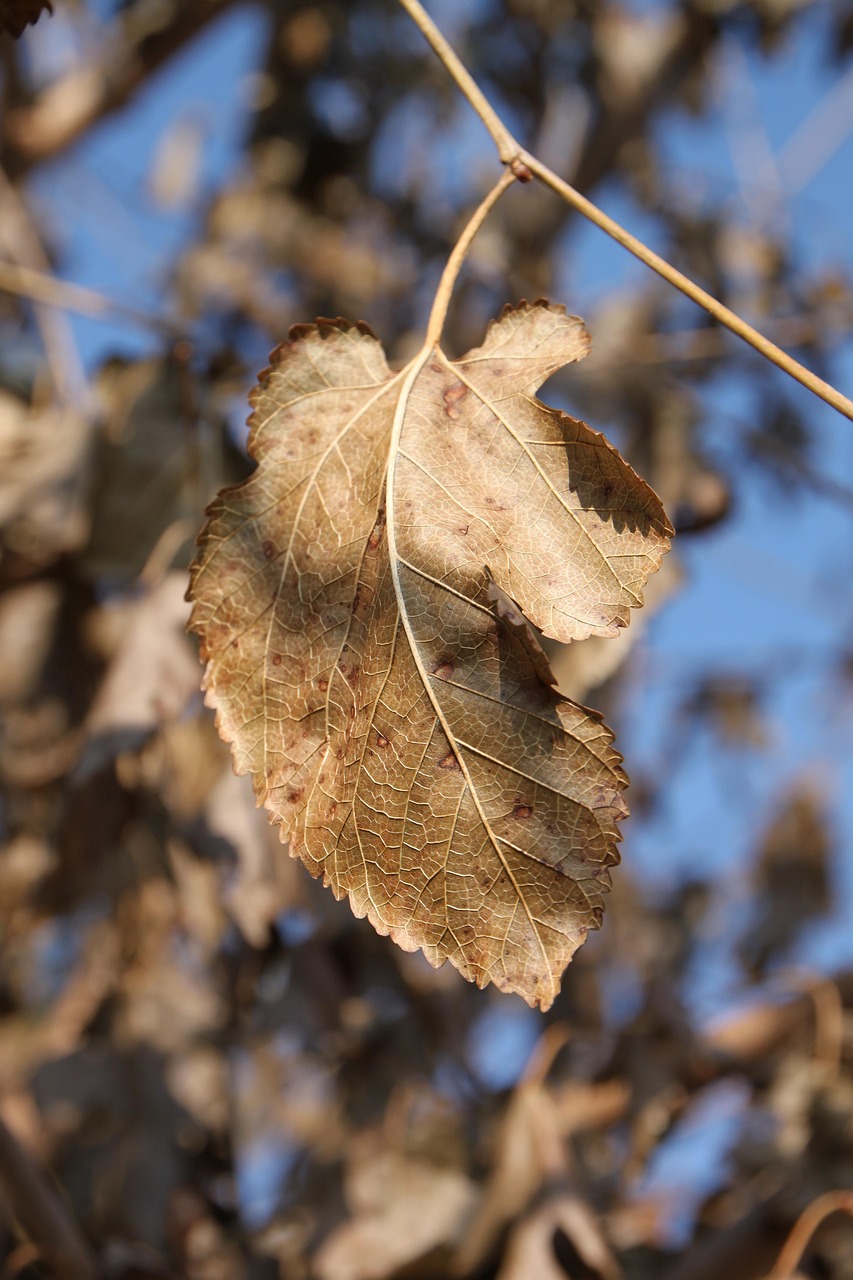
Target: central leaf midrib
[412, 374]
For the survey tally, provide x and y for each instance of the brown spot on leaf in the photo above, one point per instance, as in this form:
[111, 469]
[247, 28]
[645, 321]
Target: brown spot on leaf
[452, 397]
[520, 810]
[377, 531]
[322, 685]
[268, 549]
[449, 762]
[443, 668]
[381, 740]
[293, 797]
[276, 659]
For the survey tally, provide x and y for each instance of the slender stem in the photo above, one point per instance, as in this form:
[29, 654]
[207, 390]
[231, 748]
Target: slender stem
[522, 163]
[674, 277]
[805, 1227]
[42, 1213]
[506, 144]
[438, 314]
[41, 287]
[24, 246]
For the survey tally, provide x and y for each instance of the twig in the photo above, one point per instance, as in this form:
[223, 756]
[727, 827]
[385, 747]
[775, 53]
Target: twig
[24, 245]
[710, 343]
[804, 1228]
[545, 1051]
[41, 287]
[523, 165]
[42, 1214]
[817, 138]
[506, 144]
[752, 155]
[71, 104]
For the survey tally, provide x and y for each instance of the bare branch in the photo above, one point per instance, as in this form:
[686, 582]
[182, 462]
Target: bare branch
[524, 163]
[42, 1214]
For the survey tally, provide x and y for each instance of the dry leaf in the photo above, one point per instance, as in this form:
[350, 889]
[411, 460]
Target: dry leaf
[392, 724]
[559, 1238]
[407, 1214]
[149, 683]
[44, 461]
[16, 15]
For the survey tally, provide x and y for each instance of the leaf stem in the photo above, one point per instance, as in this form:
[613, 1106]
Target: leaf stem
[522, 164]
[438, 314]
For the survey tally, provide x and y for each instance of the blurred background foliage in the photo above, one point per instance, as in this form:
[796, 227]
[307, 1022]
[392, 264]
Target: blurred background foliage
[208, 1068]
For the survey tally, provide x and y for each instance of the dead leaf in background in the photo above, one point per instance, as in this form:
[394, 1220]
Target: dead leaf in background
[559, 1239]
[176, 170]
[398, 733]
[519, 1168]
[791, 877]
[141, 464]
[28, 617]
[150, 681]
[16, 15]
[43, 476]
[258, 891]
[407, 1214]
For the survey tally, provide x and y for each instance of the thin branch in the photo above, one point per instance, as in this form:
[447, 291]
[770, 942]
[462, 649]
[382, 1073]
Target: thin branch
[506, 144]
[71, 104]
[805, 1227]
[710, 344]
[817, 138]
[523, 164]
[42, 1214]
[24, 246]
[41, 287]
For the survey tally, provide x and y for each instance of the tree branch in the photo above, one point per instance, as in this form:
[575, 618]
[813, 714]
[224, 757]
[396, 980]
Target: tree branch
[805, 1227]
[42, 1214]
[523, 164]
[70, 105]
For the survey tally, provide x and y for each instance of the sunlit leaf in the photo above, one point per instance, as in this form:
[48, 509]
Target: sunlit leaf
[361, 602]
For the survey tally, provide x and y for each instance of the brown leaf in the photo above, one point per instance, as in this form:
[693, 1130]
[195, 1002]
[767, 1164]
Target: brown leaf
[44, 462]
[560, 1238]
[149, 682]
[519, 630]
[15, 15]
[406, 1214]
[407, 746]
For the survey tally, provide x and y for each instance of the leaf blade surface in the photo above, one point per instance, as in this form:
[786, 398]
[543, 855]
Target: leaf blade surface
[355, 604]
